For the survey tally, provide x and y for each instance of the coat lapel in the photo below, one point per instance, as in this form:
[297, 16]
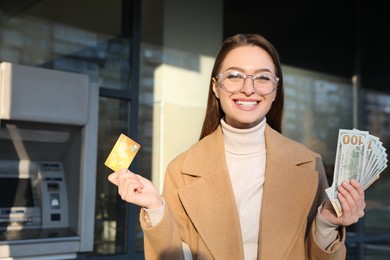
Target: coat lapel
[287, 196]
[213, 210]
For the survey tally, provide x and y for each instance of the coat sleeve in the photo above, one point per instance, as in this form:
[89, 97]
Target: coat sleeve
[337, 249]
[164, 241]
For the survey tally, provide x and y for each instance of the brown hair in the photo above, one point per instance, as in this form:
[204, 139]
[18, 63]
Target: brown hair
[214, 112]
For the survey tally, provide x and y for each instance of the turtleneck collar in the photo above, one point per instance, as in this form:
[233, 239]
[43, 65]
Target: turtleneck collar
[244, 141]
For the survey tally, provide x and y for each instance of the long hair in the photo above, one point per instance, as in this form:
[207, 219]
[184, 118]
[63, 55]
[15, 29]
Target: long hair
[214, 111]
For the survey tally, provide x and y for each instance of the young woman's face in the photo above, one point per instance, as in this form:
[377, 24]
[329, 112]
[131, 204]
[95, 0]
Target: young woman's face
[246, 108]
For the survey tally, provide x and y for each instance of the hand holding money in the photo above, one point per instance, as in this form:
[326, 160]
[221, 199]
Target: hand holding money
[351, 198]
[359, 156]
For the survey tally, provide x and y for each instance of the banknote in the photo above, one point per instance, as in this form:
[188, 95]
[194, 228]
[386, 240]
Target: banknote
[359, 156]
[122, 154]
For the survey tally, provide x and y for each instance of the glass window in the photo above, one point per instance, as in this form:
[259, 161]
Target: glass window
[376, 120]
[111, 214]
[316, 107]
[77, 36]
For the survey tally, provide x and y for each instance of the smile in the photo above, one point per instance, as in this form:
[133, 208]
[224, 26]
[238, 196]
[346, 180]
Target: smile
[246, 103]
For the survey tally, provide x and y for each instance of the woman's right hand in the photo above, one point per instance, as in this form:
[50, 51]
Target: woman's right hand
[136, 189]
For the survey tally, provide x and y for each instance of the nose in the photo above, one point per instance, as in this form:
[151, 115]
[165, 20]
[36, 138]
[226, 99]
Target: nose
[249, 87]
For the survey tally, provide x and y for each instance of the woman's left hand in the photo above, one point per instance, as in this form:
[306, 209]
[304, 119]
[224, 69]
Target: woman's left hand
[351, 197]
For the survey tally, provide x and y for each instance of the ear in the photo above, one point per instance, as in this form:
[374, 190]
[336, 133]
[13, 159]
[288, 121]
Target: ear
[215, 88]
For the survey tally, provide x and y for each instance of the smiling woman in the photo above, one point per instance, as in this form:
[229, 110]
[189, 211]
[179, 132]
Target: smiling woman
[250, 183]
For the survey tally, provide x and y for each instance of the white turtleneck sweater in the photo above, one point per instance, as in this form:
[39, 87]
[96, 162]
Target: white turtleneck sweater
[245, 158]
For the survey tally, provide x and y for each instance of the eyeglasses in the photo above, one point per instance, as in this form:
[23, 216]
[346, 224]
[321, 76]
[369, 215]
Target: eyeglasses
[233, 82]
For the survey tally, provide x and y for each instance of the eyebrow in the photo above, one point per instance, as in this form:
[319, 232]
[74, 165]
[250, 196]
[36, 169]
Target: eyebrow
[255, 72]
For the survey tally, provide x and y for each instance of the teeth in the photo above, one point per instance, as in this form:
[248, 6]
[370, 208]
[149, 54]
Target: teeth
[246, 103]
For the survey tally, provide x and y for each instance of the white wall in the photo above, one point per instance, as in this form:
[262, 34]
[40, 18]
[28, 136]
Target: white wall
[192, 32]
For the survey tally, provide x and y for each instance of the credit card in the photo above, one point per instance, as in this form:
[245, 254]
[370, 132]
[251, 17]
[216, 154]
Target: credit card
[122, 154]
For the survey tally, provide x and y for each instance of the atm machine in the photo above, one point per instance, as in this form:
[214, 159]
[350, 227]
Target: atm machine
[48, 150]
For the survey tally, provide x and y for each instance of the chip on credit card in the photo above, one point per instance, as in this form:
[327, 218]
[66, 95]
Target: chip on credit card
[122, 154]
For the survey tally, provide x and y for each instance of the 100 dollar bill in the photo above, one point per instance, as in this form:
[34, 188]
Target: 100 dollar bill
[350, 162]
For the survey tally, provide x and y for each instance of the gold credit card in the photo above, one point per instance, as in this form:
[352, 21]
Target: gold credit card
[122, 154]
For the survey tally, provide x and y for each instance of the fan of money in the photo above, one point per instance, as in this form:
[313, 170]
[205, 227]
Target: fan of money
[359, 156]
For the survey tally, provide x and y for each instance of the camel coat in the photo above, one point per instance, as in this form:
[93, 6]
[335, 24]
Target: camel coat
[201, 209]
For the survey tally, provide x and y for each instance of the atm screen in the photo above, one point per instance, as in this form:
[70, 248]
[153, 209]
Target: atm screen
[16, 192]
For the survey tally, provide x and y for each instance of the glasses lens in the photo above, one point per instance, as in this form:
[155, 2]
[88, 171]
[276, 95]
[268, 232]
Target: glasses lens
[233, 81]
[263, 83]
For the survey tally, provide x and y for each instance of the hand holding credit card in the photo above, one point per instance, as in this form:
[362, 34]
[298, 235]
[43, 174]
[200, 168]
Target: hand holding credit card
[132, 187]
[122, 154]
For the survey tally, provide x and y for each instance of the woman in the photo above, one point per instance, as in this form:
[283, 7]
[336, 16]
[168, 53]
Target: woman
[243, 191]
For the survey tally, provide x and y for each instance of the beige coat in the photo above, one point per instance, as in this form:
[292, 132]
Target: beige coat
[202, 211]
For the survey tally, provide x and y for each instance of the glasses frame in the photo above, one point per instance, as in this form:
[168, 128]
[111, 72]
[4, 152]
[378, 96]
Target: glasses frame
[220, 77]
